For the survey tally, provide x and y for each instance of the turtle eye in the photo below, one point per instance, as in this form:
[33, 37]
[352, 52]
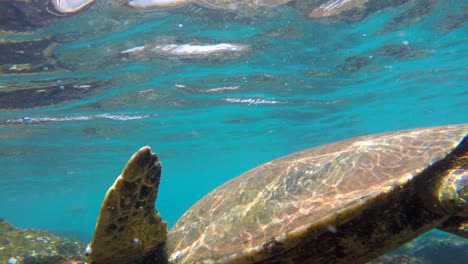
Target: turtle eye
[70, 6]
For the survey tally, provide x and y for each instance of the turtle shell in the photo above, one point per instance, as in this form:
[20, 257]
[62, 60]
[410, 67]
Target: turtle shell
[272, 208]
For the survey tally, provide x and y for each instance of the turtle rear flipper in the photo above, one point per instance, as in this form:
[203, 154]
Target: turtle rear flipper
[129, 227]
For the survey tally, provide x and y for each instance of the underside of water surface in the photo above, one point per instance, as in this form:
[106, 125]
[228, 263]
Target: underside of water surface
[214, 89]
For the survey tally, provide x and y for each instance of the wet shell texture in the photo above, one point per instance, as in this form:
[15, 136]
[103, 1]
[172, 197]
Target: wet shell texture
[274, 206]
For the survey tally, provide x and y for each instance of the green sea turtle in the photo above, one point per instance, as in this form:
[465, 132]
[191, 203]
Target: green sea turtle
[344, 202]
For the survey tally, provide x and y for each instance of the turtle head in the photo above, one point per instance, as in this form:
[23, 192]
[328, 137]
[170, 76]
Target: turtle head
[129, 229]
[453, 195]
[453, 191]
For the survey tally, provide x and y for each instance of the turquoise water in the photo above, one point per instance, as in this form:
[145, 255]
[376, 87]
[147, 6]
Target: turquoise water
[299, 83]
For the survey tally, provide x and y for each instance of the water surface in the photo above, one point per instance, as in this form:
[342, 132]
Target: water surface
[286, 83]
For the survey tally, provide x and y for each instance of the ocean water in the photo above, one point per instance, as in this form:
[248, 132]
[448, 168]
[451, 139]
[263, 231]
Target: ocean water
[281, 83]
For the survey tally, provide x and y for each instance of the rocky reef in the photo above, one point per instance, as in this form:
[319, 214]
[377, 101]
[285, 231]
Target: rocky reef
[32, 246]
[432, 248]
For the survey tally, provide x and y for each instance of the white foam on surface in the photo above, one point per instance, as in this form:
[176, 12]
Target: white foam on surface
[70, 6]
[187, 49]
[44, 119]
[224, 88]
[155, 3]
[252, 101]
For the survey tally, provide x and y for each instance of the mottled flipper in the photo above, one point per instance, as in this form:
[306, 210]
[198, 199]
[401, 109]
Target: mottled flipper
[129, 227]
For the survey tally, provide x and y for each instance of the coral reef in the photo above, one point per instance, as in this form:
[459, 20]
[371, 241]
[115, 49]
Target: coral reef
[32, 246]
[432, 248]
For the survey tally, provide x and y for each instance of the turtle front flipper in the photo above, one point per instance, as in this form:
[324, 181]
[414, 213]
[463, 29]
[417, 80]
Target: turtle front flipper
[128, 227]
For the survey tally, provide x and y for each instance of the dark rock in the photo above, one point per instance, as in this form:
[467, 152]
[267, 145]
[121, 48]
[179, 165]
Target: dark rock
[432, 248]
[355, 63]
[28, 56]
[20, 15]
[33, 94]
